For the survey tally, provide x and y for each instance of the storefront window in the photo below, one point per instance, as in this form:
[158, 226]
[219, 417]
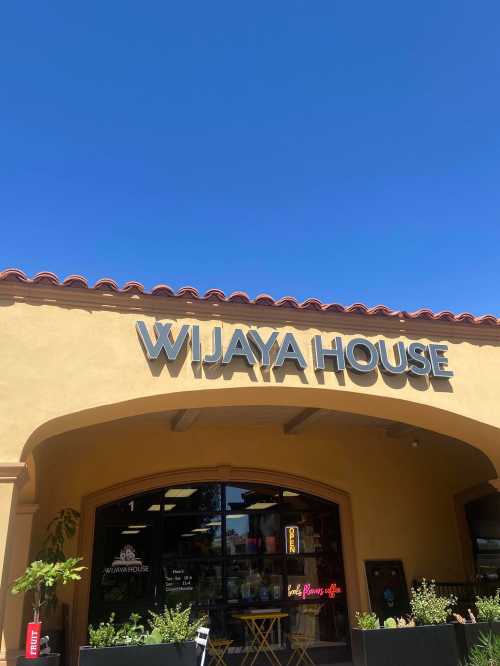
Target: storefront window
[224, 549]
[253, 534]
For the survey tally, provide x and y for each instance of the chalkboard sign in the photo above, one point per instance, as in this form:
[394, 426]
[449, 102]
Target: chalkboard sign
[387, 588]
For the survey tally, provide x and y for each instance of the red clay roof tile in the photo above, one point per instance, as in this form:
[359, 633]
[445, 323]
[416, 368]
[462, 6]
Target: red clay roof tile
[48, 279]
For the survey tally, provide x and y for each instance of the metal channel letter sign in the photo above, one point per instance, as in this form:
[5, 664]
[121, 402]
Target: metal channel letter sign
[357, 354]
[292, 540]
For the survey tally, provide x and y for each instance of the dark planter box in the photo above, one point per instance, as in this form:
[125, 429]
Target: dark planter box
[468, 635]
[413, 646]
[49, 660]
[172, 654]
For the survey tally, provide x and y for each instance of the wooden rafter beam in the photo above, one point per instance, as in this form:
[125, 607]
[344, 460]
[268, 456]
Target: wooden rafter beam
[300, 420]
[184, 419]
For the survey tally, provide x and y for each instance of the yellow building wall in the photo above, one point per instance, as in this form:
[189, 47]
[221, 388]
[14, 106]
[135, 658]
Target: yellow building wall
[73, 360]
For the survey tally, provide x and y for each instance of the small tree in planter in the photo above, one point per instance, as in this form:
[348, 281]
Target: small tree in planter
[171, 640]
[431, 642]
[40, 578]
[61, 529]
[485, 622]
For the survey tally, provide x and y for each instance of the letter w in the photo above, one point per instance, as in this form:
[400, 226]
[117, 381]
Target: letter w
[163, 340]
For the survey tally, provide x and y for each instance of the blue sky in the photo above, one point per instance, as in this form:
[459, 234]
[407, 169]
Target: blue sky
[344, 150]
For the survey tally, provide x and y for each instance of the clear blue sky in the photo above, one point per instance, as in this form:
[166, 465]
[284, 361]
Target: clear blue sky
[344, 150]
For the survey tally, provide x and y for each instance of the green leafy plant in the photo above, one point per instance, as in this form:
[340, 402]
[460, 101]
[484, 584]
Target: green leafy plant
[390, 623]
[60, 529]
[427, 606]
[41, 577]
[367, 621]
[488, 608]
[174, 625]
[104, 634]
[108, 634]
[486, 652]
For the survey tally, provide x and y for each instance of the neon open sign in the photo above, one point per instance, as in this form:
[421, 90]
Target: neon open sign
[292, 539]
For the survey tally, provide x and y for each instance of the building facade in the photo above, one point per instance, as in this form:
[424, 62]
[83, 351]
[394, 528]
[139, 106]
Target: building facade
[239, 454]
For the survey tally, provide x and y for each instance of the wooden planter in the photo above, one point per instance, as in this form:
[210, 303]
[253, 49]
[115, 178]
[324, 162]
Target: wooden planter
[173, 654]
[430, 645]
[468, 635]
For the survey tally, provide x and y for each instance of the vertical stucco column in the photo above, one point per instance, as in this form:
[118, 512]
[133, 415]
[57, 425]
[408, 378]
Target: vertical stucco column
[13, 630]
[11, 475]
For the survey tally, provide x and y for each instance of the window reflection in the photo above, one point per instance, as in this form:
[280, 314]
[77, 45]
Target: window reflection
[252, 534]
[251, 498]
[254, 580]
[192, 499]
[192, 536]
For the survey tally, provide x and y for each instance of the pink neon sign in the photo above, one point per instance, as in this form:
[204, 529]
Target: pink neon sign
[306, 590]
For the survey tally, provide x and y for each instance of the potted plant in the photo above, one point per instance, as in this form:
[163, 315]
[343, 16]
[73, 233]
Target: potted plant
[486, 621]
[40, 578]
[61, 529]
[170, 639]
[424, 638]
[486, 652]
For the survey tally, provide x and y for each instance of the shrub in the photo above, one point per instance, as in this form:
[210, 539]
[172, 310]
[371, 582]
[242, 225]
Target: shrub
[390, 623]
[174, 625]
[108, 634]
[486, 652]
[427, 606]
[488, 608]
[367, 621]
[104, 634]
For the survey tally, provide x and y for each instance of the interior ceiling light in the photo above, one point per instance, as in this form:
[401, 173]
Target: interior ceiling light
[168, 507]
[290, 493]
[261, 505]
[187, 535]
[214, 523]
[130, 531]
[154, 507]
[201, 529]
[180, 492]
[235, 515]
[136, 527]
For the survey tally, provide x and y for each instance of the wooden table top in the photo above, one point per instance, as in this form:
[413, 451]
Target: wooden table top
[259, 616]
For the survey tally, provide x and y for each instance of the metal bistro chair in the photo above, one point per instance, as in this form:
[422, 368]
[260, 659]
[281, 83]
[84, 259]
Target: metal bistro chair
[217, 648]
[201, 641]
[300, 643]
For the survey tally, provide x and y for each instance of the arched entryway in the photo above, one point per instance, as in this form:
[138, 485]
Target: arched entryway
[217, 538]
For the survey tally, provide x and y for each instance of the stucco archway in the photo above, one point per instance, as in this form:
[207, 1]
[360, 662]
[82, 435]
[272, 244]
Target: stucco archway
[482, 436]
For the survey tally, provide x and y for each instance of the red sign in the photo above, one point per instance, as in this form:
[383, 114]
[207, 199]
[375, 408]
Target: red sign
[33, 633]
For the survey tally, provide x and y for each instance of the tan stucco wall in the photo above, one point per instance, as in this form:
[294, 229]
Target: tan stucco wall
[70, 360]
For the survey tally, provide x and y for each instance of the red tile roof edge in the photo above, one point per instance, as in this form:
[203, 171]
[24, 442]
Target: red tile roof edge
[48, 279]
